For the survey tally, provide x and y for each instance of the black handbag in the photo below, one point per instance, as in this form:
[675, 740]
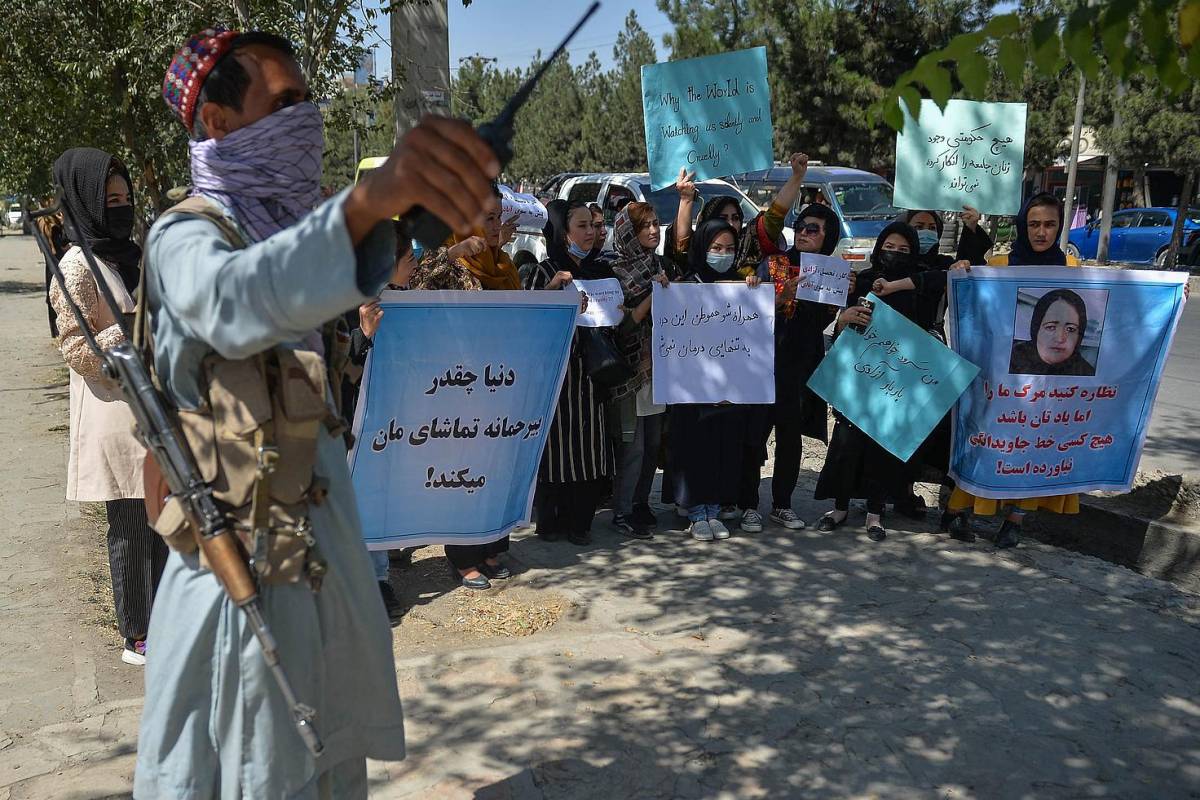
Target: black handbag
[602, 357]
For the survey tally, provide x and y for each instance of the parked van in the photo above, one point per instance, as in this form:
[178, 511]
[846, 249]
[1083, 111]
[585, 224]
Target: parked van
[862, 201]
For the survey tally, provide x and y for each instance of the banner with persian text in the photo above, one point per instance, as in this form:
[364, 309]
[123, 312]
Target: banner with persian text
[457, 396]
[1070, 365]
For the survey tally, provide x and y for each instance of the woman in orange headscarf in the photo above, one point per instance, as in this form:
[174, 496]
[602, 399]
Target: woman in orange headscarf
[481, 252]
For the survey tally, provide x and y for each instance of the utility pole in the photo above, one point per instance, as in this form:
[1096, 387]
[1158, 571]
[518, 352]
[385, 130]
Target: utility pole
[1109, 198]
[1073, 167]
[421, 53]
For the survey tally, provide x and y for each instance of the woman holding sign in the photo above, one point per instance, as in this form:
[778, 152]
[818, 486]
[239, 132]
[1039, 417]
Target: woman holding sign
[577, 460]
[1038, 227]
[708, 442]
[857, 466]
[636, 234]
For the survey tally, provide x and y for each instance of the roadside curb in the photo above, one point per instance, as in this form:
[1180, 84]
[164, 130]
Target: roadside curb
[1150, 530]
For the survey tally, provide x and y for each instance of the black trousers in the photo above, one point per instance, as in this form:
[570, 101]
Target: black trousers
[136, 557]
[787, 420]
[465, 556]
[566, 508]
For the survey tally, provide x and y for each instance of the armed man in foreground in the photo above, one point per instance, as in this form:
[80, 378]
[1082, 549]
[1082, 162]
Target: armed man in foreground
[239, 279]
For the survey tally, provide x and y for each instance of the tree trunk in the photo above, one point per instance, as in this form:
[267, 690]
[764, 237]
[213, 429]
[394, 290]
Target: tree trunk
[1140, 200]
[1185, 198]
[1112, 173]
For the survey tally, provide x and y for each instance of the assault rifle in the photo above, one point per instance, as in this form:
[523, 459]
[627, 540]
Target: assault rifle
[157, 429]
[426, 228]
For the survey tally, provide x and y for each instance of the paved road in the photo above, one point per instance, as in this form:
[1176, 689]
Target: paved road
[1173, 443]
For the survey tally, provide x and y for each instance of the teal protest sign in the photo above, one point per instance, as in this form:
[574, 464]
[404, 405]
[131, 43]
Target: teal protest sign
[894, 381]
[710, 115]
[970, 154]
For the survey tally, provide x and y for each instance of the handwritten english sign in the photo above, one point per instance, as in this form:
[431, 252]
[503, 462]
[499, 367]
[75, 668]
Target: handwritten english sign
[710, 115]
[1071, 361]
[970, 154]
[713, 343]
[449, 430]
[605, 297]
[894, 381]
[823, 279]
[528, 210]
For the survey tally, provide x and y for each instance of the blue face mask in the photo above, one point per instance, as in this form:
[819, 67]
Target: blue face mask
[720, 262]
[576, 250]
[928, 240]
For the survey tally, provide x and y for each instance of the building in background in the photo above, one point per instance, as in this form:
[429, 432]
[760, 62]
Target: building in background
[363, 74]
[420, 61]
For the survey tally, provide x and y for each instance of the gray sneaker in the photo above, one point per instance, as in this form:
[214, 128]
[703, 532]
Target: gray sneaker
[752, 521]
[719, 531]
[701, 531]
[787, 518]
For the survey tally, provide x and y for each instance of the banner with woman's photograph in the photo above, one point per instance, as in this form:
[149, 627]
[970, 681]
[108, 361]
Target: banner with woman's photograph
[1070, 361]
[457, 397]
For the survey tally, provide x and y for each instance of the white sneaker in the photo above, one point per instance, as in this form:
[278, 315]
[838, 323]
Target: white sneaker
[719, 531]
[134, 653]
[728, 512]
[787, 518]
[751, 521]
[701, 531]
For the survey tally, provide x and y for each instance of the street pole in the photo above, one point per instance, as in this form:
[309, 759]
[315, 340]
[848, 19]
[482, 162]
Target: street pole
[421, 54]
[1109, 199]
[1073, 168]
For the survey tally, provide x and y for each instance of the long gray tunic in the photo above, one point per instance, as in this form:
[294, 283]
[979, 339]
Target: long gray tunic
[214, 723]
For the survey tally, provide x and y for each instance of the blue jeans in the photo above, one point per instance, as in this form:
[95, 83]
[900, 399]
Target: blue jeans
[701, 513]
[379, 560]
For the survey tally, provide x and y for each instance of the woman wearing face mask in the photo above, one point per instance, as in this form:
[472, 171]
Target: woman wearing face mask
[577, 461]
[1056, 330]
[636, 234]
[973, 243]
[1038, 227]
[799, 348]
[856, 466]
[708, 441]
[105, 462]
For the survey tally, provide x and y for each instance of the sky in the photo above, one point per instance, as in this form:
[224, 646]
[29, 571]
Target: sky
[512, 31]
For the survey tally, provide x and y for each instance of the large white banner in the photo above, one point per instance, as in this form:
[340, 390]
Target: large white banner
[714, 343]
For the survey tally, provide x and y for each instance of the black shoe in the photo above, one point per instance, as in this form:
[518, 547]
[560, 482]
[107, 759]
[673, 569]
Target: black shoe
[391, 603]
[496, 573]
[643, 515]
[480, 582]
[402, 558]
[582, 539]
[912, 507]
[827, 523]
[1009, 535]
[876, 533]
[549, 536]
[627, 527]
[960, 528]
[947, 519]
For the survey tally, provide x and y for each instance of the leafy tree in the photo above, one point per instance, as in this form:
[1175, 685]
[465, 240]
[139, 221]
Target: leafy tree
[103, 89]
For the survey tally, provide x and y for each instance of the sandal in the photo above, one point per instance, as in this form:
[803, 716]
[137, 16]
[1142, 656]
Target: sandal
[827, 523]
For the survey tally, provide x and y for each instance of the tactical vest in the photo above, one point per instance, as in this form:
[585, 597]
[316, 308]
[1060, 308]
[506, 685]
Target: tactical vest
[254, 438]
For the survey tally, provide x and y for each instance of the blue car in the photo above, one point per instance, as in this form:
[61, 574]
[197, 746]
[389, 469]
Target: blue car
[1139, 235]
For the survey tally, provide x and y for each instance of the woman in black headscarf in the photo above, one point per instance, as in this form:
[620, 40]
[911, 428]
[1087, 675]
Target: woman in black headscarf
[1039, 225]
[708, 441]
[973, 241]
[1056, 331]
[856, 466]
[105, 462]
[578, 459]
[799, 348]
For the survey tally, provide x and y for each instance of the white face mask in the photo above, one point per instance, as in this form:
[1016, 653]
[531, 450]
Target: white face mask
[720, 262]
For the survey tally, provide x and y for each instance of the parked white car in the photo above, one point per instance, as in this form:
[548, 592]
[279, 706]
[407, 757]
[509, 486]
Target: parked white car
[12, 217]
[608, 189]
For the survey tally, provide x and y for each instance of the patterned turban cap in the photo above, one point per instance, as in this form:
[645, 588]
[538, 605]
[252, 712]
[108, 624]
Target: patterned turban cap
[190, 67]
